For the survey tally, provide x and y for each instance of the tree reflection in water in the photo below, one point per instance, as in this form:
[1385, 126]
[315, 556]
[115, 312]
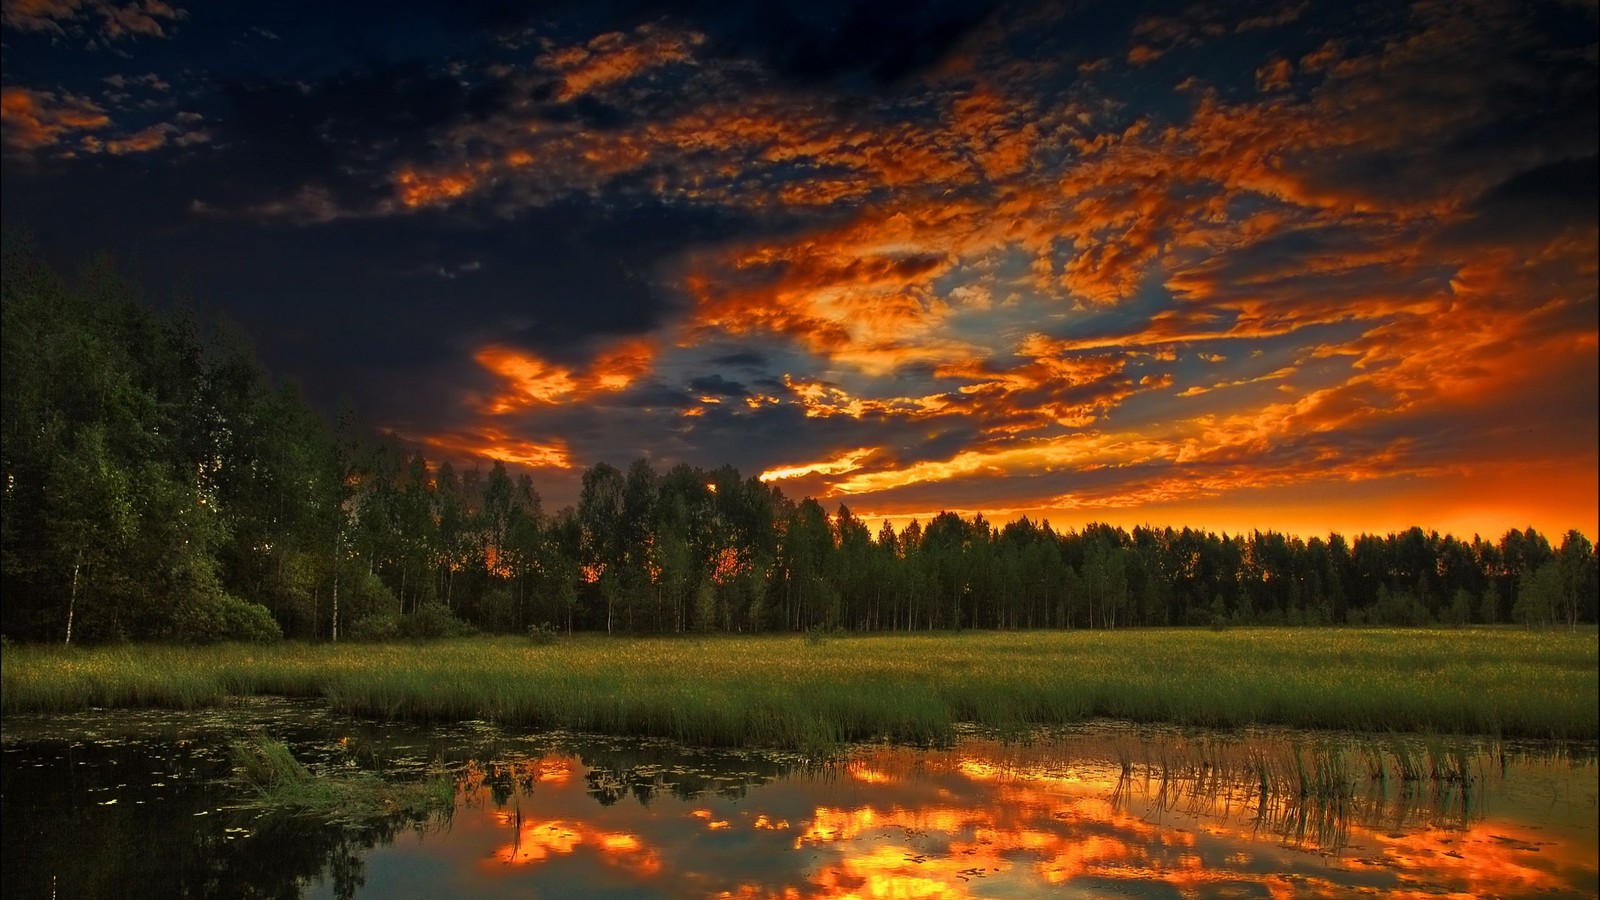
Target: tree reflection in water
[1146, 812]
[1108, 810]
[146, 818]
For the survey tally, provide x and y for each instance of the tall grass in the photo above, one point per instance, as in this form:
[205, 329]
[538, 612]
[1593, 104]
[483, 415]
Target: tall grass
[783, 691]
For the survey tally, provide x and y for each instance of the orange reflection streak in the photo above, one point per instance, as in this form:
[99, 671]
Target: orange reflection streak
[539, 841]
[988, 819]
[555, 770]
[976, 841]
[1484, 859]
[1022, 825]
[536, 841]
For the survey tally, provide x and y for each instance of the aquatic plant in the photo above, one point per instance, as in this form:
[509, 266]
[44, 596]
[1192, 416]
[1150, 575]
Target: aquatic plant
[276, 782]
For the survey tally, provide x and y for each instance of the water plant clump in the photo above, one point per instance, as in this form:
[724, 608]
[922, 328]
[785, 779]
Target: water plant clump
[275, 782]
[267, 765]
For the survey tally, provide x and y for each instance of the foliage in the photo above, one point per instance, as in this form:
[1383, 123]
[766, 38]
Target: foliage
[156, 479]
[227, 618]
[375, 627]
[430, 622]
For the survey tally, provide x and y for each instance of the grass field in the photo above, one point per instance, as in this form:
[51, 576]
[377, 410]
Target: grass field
[790, 692]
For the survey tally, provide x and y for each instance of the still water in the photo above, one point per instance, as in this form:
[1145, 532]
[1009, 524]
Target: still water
[143, 804]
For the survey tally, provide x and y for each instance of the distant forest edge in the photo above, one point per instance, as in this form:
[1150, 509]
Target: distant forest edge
[158, 485]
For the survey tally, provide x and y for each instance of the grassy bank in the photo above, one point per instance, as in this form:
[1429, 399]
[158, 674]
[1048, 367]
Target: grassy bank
[786, 691]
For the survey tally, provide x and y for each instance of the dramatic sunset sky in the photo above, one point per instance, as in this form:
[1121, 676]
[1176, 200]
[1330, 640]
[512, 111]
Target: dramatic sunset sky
[1310, 267]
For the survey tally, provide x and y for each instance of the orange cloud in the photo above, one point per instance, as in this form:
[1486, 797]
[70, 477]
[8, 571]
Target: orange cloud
[1144, 54]
[1274, 75]
[844, 462]
[489, 442]
[1072, 451]
[531, 381]
[152, 138]
[417, 188]
[1130, 241]
[823, 400]
[39, 15]
[32, 119]
[616, 367]
[137, 18]
[862, 294]
[1275, 375]
[1283, 17]
[616, 57]
[140, 17]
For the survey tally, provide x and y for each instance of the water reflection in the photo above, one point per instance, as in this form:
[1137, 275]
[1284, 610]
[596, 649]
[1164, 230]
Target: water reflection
[1090, 812]
[143, 818]
[1209, 819]
[142, 804]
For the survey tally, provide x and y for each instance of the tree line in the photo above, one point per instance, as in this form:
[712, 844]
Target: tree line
[159, 485]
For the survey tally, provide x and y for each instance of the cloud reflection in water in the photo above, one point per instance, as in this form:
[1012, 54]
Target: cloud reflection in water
[987, 819]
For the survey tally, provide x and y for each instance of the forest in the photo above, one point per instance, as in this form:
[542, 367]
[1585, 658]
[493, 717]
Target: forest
[159, 485]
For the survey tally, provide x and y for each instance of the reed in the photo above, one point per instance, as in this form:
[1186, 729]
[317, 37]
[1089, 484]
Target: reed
[787, 691]
[1305, 788]
[267, 765]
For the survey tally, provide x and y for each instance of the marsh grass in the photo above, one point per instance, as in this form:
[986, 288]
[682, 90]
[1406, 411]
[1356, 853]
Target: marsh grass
[276, 782]
[1308, 789]
[792, 692]
[266, 765]
[1315, 794]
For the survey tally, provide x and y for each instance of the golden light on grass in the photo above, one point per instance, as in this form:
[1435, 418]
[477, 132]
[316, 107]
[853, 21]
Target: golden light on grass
[783, 691]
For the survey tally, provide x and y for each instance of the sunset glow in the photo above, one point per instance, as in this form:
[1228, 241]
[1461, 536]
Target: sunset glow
[1232, 267]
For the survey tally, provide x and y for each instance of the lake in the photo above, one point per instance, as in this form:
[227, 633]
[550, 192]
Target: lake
[110, 804]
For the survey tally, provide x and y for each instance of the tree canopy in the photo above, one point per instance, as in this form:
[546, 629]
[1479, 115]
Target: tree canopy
[160, 485]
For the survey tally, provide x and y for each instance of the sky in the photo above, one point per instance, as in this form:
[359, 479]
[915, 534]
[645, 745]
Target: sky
[1306, 267]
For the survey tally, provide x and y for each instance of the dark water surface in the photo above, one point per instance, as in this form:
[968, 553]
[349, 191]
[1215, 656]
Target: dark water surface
[144, 804]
